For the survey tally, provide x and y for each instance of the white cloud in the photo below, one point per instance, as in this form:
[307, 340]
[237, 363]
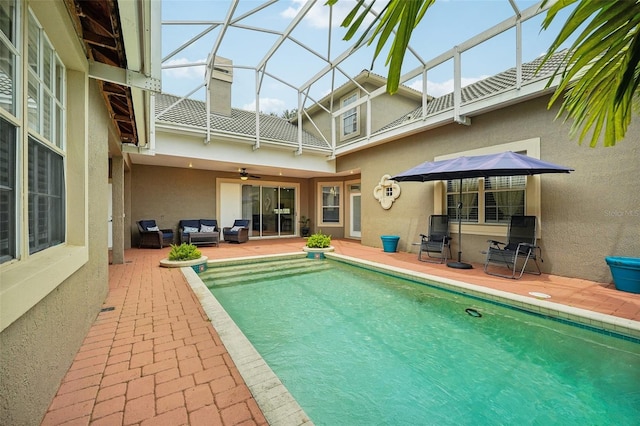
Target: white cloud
[436, 89]
[318, 15]
[267, 106]
[192, 73]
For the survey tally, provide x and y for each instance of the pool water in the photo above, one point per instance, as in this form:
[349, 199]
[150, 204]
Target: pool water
[357, 347]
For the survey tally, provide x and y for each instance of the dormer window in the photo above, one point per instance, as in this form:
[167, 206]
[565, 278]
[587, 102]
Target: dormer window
[349, 124]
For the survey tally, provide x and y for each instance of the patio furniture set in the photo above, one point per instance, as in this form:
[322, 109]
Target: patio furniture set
[192, 231]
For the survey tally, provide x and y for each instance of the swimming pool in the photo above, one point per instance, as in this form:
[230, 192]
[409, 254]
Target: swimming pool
[356, 347]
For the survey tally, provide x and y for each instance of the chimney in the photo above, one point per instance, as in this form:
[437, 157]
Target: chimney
[220, 86]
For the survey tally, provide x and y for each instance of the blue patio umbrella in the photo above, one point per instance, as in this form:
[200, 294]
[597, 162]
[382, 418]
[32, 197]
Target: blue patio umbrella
[503, 164]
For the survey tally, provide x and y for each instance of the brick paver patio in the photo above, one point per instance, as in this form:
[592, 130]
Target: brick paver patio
[152, 356]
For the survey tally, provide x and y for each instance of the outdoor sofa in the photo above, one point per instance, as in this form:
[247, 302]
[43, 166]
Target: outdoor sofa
[199, 231]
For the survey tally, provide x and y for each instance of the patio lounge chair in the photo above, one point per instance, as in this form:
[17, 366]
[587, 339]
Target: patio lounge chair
[521, 245]
[152, 236]
[238, 233]
[199, 231]
[438, 240]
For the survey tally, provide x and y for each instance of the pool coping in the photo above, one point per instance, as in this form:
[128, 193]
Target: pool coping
[278, 405]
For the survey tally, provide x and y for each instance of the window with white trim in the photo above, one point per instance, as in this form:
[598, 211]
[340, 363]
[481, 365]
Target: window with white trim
[330, 204]
[487, 204]
[44, 145]
[349, 120]
[46, 175]
[487, 200]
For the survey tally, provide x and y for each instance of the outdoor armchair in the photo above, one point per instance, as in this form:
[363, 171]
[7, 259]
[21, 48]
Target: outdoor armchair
[152, 236]
[238, 233]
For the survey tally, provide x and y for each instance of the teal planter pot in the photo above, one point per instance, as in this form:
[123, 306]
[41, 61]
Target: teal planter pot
[625, 272]
[390, 243]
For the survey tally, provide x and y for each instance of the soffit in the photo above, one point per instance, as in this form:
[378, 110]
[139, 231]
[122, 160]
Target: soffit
[98, 25]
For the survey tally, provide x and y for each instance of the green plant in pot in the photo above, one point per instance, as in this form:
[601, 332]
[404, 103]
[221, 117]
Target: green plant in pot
[304, 222]
[184, 251]
[319, 240]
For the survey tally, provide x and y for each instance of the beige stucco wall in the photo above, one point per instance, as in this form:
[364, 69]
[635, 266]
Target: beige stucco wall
[384, 109]
[586, 215]
[37, 349]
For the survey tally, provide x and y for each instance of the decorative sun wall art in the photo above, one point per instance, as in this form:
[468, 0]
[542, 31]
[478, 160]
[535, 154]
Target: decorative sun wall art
[386, 191]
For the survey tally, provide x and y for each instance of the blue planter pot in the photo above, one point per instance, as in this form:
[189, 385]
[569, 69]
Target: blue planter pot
[390, 243]
[625, 272]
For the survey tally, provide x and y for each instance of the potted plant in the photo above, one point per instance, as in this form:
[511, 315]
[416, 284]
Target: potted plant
[185, 255]
[317, 245]
[304, 222]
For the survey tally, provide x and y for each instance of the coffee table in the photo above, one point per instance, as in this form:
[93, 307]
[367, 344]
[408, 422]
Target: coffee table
[204, 238]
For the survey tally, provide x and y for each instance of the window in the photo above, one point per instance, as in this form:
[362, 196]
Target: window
[488, 203]
[8, 56]
[503, 197]
[8, 191]
[350, 117]
[330, 204]
[469, 211]
[46, 84]
[498, 198]
[46, 177]
[46, 197]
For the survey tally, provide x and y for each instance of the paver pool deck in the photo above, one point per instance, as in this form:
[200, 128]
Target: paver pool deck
[152, 357]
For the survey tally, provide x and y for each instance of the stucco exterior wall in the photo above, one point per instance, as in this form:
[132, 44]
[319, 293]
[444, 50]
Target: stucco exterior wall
[384, 109]
[586, 215]
[37, 349]
[170, 194]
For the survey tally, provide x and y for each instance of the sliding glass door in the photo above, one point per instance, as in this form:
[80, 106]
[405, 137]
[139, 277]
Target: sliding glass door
[271, 209]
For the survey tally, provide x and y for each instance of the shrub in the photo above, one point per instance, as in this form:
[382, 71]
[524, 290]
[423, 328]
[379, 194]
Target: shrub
[319, 240]
[184, 251]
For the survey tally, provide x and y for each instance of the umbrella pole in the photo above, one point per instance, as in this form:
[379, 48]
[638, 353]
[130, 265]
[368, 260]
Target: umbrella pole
[459, 264]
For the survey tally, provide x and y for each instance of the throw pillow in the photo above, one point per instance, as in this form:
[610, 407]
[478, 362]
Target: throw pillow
[190, 229]
[236, 228]
[206, 228]
[153, 228]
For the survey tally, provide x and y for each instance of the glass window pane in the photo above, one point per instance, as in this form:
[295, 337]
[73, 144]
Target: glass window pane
[33, 104]
[47, 65]
[469, 211]
[34, 46]
[7, 18]
[8, 192]
[47, 119]
[7, 79]
[46, 197]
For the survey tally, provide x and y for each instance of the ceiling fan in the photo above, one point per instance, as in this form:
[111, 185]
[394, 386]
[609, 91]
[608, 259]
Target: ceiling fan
[244, 175]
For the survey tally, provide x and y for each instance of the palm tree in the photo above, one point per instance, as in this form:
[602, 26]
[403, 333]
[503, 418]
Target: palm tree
[598, 80]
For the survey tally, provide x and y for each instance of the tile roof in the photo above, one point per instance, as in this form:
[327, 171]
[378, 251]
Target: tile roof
[192, 113]
[488, 87]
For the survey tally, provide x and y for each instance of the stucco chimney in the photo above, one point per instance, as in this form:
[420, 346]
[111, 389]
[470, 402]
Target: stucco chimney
[220, 86]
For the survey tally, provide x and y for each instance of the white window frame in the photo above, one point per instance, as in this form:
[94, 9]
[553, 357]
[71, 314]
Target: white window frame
[530, 147]
[320, 210]
[29, 278]
[355, 111]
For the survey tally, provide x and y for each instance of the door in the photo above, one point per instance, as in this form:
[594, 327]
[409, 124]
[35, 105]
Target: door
[355, 215]
[231, 201]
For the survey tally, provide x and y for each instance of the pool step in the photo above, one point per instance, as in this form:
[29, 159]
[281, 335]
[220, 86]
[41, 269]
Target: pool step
[250, 273]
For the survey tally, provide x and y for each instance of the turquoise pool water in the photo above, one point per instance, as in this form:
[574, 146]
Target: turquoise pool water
[356, 347]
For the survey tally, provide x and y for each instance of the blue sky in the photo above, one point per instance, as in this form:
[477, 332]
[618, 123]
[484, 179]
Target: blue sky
[446, 24]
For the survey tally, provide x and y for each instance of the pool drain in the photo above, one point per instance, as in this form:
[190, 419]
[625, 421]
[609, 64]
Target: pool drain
[473, 312]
